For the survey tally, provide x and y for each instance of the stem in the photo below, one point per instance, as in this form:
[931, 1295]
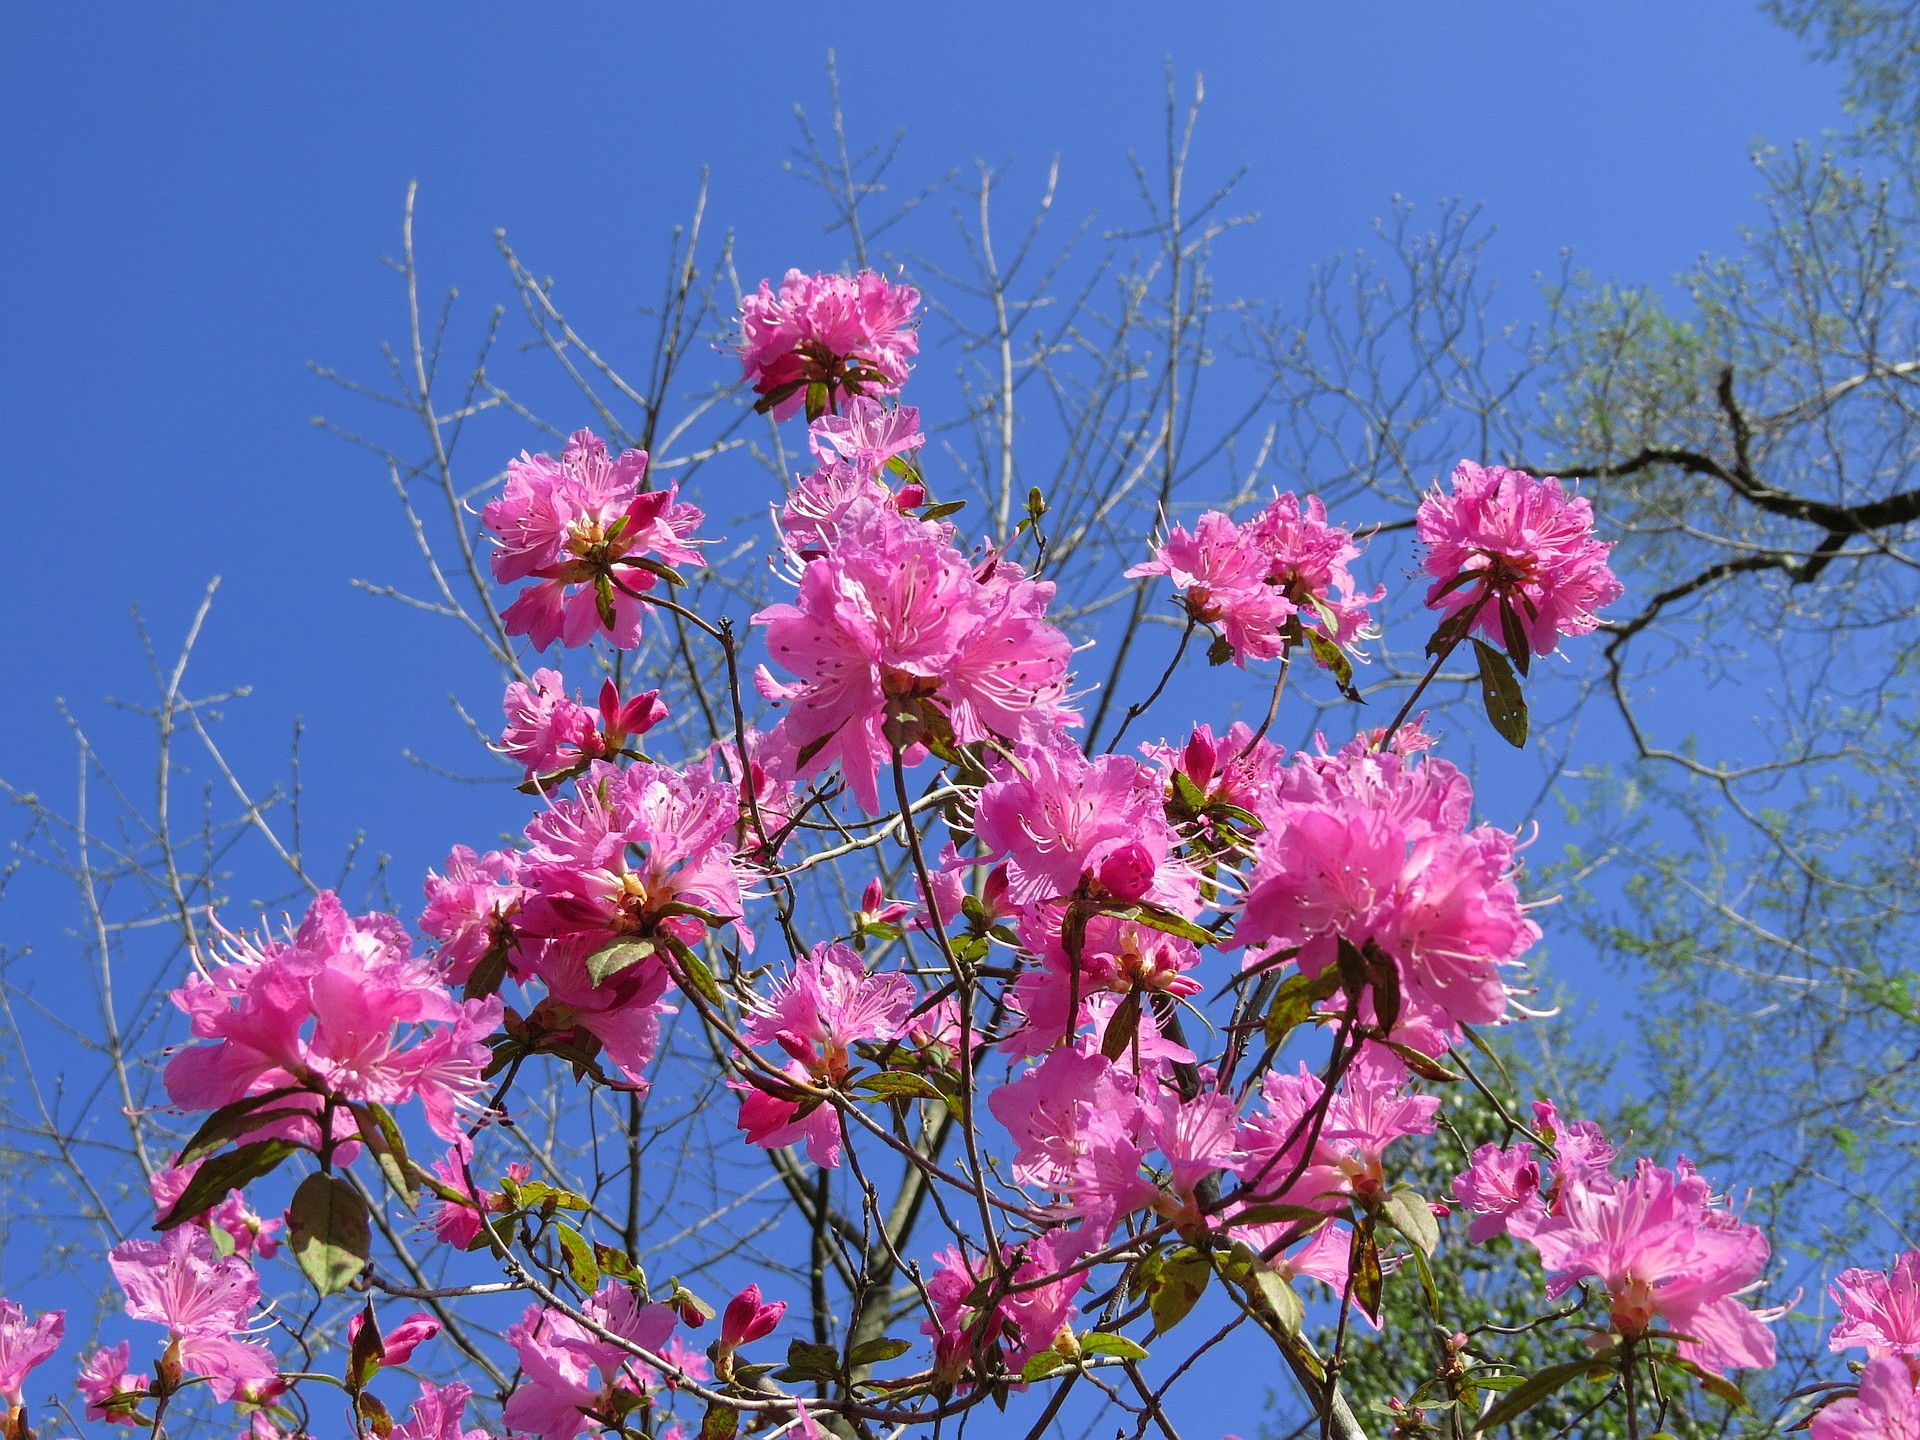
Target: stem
[1134, 712]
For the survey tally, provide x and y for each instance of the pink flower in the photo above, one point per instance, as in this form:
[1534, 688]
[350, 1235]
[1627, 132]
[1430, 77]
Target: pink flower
[398, 1344]
[438, 1415]
[1263, 584]
[1059, 817]
[582, 527]
[201, 1298]
[827, 1005]
[849, 337]
[1370, 849]
[967, 1330]
[1117, 958]
[896, 640]
[772, 1120]
[746, 1319]
[250, 1233]
[1879, 1311]
[867, 436]
[568, 1369]
[103, 1376]
[1495, 1186]
[383, 1026]
[1502, 540]
[550, 734]
[1665, 1249]
[470, 910]
[1886, 1407]
[23, 1345]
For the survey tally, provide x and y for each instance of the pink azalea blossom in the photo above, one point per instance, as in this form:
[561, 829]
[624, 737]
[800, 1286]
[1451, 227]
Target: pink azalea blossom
[1886, 1407]
[1497, 1185]
[103, 1375]
[569, 1370]
[1879, 1311]
[851, 337]
[470, 909]
[1117, 958]
[1369, 849]
[549, 733]
[582, 528]
[251, 1234]
[892, 632]
[828, 1004]
[1059, 819]
[1521, 543]
[1264, 583]
[23, 1345]
[1665, 1249]
[773, 1121]
[398, 1344]
[1017, 1325]
[340, 1007]
[817, 1014]
[439, 1414]
[202, 1299]
[866, 436]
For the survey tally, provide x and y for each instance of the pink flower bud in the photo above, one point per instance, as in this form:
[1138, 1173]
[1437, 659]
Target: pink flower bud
[748, 1319]
[1128, 872]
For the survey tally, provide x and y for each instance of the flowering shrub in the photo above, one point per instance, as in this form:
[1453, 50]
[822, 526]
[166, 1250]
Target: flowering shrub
[1148, 1029]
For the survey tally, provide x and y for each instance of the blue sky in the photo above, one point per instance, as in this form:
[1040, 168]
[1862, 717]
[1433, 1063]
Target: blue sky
[199, 198]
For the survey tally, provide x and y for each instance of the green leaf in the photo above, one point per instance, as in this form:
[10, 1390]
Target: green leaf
[1413, 1218]
[1718, 1386]
[374, 1411]
[211, 1182]
[807, 1361]
[897, 1085]
[231, 1121]
[694, 974]
[1515, 636]
[1500, 693]
[364, 1359]
[1187, 793]
[327, 1228]
[489, 972]
[1281, 1301]
[1423, 1065]
[1366, 1280]
[873, 1352]
[1333, 659]
[940, 512]
[622, 954]
[818, 402]
[619, 1265]
[1168, 923]
[1273, 1213]
[1177, 1288]
[578, 1254]
[1537, 1387]
[1293, 1002]
[1047, 1362]
[1099, 1342]
[1122, 1027]
[1219, 652]
[722, 1421]
[381, 1134]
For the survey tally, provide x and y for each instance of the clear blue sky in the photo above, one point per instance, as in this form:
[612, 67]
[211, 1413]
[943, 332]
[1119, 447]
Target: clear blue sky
[198, 197]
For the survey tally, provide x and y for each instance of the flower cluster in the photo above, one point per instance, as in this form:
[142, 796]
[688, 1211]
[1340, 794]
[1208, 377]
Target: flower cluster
[1664, 1247]
[339, 1011]
[1371, 850]
[1268, 583]
[901, 646]
[821, 338]
[1518, 554]
[554, 736]
[582, 527]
